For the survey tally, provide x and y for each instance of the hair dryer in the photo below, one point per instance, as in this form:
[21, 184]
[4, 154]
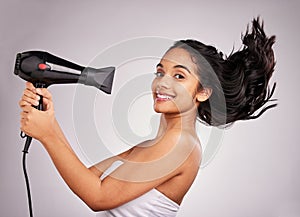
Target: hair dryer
[44, 69]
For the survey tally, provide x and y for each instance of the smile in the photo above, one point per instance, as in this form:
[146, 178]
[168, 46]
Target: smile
[163, 97]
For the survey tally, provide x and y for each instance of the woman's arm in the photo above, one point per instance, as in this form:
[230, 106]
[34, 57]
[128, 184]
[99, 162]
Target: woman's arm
[43, 126]
[114, 190]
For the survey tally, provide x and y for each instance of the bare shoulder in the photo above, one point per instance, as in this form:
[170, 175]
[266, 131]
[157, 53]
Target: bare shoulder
[190, 167]
[187, 158]
[184, 151]
[185, 141]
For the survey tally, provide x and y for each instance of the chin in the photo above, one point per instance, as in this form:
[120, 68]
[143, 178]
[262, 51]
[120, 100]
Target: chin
[165, 109]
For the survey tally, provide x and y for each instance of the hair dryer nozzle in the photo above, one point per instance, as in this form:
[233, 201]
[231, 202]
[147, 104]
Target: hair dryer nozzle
[100, 78]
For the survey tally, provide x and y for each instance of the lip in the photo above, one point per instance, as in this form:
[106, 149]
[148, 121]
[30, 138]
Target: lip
[162, 97]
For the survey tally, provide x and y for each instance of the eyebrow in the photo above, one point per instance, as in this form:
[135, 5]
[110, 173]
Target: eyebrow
[176, 66]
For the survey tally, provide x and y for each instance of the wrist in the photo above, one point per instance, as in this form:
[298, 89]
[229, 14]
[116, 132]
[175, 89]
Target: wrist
[51, 134]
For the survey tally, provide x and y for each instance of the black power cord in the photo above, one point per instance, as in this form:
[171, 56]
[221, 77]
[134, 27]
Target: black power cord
[27, 144]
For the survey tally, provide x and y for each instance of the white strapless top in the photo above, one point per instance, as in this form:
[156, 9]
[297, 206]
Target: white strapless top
[151, 204]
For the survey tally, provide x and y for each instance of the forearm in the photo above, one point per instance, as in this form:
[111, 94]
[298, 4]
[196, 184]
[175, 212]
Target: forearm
[61, 135]
[84, 183]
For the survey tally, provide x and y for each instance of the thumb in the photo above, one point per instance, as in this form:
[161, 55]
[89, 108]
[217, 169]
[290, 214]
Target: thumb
[48, 104]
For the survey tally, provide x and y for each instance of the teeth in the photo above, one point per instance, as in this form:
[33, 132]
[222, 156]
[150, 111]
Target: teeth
[164, 96]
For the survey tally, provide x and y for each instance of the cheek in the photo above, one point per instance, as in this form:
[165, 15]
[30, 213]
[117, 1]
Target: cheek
[188, 90]
[194, 88]
[187, 96]
[184, 97]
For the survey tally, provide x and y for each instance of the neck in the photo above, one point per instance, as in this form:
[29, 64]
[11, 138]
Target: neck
[184, 121]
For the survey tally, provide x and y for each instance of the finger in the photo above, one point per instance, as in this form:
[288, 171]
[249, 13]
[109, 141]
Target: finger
[24, 116]
[30, 86]
[23, 103]
[27, 108]
[31, 94]
[28, 101]
[48, 104]
[44, 92]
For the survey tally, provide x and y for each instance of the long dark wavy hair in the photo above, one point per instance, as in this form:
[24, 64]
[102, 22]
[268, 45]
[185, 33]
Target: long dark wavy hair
[239, 82]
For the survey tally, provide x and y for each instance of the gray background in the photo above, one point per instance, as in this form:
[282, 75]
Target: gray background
[254, 173]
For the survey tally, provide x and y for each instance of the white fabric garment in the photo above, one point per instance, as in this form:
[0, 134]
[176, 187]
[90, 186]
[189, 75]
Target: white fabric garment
[151, 204]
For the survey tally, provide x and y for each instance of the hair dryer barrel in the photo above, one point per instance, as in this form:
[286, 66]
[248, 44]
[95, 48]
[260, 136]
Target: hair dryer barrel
[42, 67]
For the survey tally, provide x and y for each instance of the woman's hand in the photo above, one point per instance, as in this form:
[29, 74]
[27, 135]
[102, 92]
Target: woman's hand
[37, 124]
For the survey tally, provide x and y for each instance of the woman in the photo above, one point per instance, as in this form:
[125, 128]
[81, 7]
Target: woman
[192, 80]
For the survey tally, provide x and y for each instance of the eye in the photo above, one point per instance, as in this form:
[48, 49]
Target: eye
[159, 74]
[179, 76]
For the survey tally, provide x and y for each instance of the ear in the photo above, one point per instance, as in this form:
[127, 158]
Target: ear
[203, 94]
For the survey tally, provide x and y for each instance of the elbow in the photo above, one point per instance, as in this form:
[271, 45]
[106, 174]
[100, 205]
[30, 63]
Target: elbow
[96, 206]
[101, 205]
[99, 201]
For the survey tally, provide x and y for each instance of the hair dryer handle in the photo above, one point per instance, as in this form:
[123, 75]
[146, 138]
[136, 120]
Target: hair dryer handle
[39, 107]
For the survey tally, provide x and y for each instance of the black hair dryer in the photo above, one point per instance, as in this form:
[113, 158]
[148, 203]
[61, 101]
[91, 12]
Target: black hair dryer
[44, 69]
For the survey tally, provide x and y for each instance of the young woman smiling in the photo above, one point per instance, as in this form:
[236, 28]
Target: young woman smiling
[192, 81]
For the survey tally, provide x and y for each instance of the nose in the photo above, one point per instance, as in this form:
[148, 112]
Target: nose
[164, 82]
